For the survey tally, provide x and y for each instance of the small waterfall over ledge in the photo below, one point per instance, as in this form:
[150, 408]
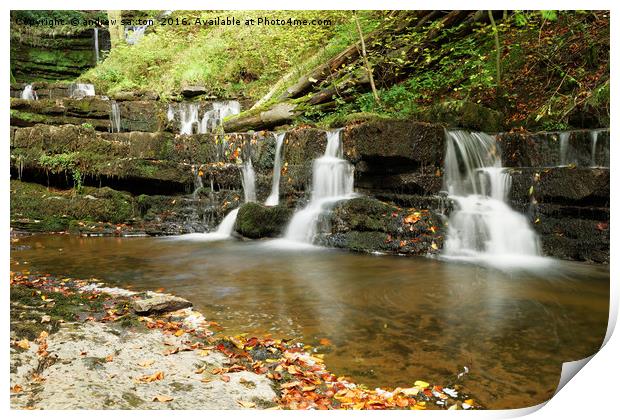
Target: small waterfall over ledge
[274, 196]
[190, 121]
[483, 226]
[248, 180]
[332, 181]
[29, 93]
[227, 225]
[115, 117]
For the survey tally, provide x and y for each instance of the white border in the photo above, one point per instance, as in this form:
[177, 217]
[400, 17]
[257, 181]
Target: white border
[592, 393]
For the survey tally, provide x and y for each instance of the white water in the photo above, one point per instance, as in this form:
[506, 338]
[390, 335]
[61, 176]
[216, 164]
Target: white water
[332, 181]
[81, 90]
[227, 225]
[483, 227]
[188, 114]
[594, 141]
[96, 39]
[115, 117]
[133, 34]
[29, 93]
[248, 180]
[198, 184]
[564, 137]
[274, 196]
[191, 122]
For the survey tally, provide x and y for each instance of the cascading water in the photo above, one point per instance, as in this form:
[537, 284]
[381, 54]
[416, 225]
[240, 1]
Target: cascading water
[198, 184]
[564, 137]
[248, 180]
[115, 117]
[96, 43]
[482, 225]
[227, 225]
[593, 143]
[332, 181]
[29, 94]
[189, 116]
[81, 90]
[133, 34]
[274, 197]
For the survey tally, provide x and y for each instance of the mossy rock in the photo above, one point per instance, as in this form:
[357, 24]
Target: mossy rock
[464, 114]
[257, 221]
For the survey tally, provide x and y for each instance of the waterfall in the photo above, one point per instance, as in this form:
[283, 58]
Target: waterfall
[226, 226]
[81, 90]
[248, 180]
[593, 141]
[192, 123]
[198, 182]
[29, 93]
[274, 197]
[189, 117]
[564, 137]
[96, 41]
[332, 181]
[482, 225]
[133, 34]
[115, 117]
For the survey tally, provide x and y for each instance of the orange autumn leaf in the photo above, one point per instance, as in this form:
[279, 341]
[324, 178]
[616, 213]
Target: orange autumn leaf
[162, 398]
[157, 376]
[289, 385]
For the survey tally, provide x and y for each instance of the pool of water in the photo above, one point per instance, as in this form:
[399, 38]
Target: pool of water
[391, 320]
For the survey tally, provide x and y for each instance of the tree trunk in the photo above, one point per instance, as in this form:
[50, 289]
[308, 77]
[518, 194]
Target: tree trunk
[366, 62]
[497, 49]
[117, 32]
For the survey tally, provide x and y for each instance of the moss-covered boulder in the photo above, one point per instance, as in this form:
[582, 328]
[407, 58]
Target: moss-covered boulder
[366, 224]
[464, 114]
[257, 221]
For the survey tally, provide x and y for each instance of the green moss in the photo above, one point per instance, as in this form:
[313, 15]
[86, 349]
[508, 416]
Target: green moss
[257, 221]
[60, 210]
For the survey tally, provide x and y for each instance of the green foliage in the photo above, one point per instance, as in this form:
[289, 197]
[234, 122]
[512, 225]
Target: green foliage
[549, 15]
[88, 125]
[64, 162]
[230, 61]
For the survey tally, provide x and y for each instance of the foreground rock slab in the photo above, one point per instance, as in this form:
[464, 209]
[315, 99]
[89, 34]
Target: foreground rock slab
[98, 366]
[155, 303]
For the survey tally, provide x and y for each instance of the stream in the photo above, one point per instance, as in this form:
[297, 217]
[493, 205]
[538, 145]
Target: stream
[389, 320]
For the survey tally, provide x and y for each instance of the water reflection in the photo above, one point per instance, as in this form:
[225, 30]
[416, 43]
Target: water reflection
[391, 320]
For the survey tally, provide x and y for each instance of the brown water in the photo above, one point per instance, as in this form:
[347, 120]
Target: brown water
[392, 320]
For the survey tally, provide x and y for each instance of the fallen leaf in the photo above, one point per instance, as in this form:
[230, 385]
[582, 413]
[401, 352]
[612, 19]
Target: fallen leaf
[146, 363]
[172, 351]
[288, 385]
[16, 389]
[421, 384]
[23, 344]
[46, 318]
[162, 398]
[225, 378]
[246, 404]
[157, 376]
[325, 342]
